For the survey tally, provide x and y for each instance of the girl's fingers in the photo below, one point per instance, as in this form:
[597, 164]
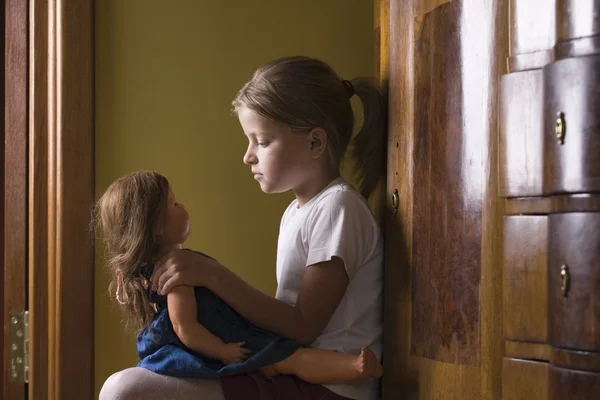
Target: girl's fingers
[162, 280]
[157, 273]
[167, 284]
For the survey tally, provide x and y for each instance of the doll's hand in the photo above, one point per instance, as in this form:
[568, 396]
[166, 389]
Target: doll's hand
[181, 267]
[233, 352]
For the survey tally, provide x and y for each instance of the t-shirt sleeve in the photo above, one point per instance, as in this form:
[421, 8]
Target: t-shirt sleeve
[335, 230]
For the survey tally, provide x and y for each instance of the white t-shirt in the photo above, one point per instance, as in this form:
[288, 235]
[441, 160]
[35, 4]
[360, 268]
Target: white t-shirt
[338, 222]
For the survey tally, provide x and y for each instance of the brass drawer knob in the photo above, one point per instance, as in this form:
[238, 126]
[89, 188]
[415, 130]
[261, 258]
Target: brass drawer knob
[564, 280]
[395, 201]
[560, 128]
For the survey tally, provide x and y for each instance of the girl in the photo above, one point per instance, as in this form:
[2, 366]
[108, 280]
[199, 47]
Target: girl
[297, 116]
[141, 221]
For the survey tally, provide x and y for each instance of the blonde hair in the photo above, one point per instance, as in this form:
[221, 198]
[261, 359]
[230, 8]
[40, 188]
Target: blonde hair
[304, 93]
[128, 214]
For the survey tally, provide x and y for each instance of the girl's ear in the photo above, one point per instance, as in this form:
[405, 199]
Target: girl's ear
[318, 142]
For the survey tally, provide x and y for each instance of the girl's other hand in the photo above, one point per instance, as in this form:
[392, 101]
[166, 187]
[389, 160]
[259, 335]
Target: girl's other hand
[181, 267]
[233, 352]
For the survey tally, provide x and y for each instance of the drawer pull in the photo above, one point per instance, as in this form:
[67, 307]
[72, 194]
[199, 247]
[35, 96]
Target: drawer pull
[564, 280]
[560, 128]
[395, 201]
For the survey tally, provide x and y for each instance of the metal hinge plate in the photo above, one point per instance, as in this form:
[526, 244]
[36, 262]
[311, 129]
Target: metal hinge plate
[19, 347]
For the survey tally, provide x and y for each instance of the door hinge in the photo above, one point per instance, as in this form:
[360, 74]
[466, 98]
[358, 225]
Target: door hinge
[19, 347]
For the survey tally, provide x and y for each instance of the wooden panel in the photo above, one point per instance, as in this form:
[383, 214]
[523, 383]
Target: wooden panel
[409, 377]
[572, 87]
[40, 303]
[422, 7]
[448, 164]
[532, 34]
[527, 350]
[14, 290]
[439, 380]
[524, 380]
[577, 48]
[522, 134]
[524, 278]
[553, 204]
[2, 168]
[382, 38]
[74, 192]
[400, 373]
[531, 25]
[496, 28]
[567, 384]
[577, 18]
[575, 359]
[574, 318]
[61, 197]
[529, 61]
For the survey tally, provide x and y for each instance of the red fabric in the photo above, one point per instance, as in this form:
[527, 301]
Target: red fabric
[256, 386]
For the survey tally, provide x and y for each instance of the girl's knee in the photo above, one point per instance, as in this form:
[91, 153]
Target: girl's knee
[124, 385]
[139, 383]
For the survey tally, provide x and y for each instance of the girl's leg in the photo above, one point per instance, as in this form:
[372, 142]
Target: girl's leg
[139, 383]
[323, 366]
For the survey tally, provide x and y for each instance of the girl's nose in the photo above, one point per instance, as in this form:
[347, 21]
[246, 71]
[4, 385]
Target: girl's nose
[249, 157]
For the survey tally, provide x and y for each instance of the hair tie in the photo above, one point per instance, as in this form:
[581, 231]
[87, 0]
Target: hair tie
[122, 301]
[349, 88]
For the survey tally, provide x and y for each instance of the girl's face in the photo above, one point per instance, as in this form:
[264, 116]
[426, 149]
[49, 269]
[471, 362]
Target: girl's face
[177, 222]
[279, 158]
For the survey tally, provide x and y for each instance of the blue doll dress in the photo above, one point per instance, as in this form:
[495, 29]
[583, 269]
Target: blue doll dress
[161, 351]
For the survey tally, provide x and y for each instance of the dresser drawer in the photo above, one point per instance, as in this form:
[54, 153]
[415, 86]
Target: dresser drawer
[531, 25]
[574, 281]
[521, 134]
[575, 359]
[577, 18]
[524, 278]
[570, 384]
[572, 125]
[524, 380]
[532, 34]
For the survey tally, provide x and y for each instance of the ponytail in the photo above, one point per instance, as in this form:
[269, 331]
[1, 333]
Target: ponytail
[369, 146]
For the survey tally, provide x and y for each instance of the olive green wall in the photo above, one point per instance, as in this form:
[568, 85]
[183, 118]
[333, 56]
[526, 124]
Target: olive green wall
[166, 73]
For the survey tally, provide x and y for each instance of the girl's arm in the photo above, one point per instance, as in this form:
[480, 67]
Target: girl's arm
[182, 312]
[322, 288]
[321, 291]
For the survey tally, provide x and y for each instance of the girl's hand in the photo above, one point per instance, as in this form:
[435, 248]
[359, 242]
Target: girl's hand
[233, 352]
[181, 267]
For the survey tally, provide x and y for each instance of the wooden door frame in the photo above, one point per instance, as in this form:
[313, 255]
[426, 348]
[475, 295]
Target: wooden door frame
[15, 179]
[49, 105]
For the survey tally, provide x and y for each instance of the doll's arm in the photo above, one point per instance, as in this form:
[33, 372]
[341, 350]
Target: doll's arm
[182, 312]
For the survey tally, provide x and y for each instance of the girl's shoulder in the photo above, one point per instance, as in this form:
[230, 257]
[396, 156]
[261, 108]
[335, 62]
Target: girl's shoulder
[338, 199]
[342, 197]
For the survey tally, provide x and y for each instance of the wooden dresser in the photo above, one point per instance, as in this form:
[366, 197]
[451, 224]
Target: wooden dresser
[549, 176]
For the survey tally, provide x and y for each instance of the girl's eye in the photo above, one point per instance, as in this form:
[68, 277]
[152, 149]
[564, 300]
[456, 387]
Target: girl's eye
[263, 144]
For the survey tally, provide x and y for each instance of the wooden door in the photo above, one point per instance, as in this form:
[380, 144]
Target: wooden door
[48, 176]
[443, 283]
[14, 199]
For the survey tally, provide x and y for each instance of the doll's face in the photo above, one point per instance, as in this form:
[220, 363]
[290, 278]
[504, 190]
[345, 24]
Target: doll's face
[176, 227]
